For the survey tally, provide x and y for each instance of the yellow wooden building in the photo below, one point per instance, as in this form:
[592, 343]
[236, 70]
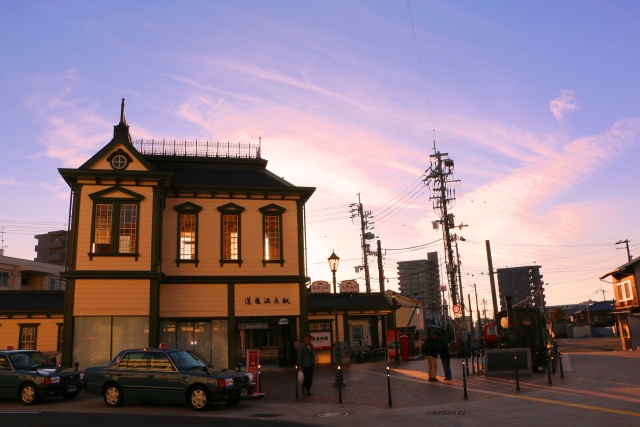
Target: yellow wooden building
[31, 305]
[193, 244]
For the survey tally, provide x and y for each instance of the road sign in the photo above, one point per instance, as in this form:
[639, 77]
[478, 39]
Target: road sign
[456, 311]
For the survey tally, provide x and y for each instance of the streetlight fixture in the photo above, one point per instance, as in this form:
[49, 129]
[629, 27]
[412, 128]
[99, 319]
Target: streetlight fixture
[334, 260]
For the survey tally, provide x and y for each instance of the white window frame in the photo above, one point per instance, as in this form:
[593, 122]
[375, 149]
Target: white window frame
[624, 290]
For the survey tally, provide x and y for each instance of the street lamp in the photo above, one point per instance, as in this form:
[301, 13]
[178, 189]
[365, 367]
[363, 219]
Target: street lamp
[395, 325]
[334, 260]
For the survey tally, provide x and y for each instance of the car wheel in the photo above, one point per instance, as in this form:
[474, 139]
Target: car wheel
[113, 395]
[199, 398]
[29, 394]
[71, 395]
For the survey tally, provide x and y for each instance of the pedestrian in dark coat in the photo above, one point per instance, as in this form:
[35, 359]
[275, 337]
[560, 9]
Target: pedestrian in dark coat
[306, 360]
[430, 348]
[445, 357]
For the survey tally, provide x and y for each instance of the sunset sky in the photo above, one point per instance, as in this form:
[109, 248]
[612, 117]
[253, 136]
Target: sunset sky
[537, 103]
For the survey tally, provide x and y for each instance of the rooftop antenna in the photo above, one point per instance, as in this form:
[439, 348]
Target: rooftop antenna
[2, 246]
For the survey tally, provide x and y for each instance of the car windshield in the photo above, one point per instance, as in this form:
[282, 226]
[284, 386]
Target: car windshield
[187, 359]
[30, 360]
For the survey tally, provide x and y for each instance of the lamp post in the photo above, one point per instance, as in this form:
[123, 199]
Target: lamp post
[395, 326]
[334, 260]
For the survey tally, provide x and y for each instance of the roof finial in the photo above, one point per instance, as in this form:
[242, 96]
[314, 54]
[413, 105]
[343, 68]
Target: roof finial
[121, 129]
[122, 120]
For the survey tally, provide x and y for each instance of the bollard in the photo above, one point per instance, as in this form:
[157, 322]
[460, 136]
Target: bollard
[549, 360]
[259, 381]
[560, 361]
[464, 380]
[389, 387]
[517, 378]
[340, 385]
[296, 372]
[478, 362]
[482, 354]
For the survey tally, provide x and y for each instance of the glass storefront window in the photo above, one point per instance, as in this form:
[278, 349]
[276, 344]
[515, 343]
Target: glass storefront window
[207, 338]
[98, 338]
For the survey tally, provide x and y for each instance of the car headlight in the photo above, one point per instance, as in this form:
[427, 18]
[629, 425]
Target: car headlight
[250, 377]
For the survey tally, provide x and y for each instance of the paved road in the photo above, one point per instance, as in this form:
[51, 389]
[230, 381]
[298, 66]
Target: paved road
[573, 345]
[598, 389]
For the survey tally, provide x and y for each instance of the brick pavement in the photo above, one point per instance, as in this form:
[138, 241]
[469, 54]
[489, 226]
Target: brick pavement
[599, 388]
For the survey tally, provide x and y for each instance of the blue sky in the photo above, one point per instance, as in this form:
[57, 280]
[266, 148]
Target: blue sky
[536, 102]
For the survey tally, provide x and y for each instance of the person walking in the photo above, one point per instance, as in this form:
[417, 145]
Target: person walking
[306, 360]
[431, 350]
[445, 357]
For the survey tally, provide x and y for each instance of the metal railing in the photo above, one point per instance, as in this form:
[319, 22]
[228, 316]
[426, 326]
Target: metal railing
[236, 150]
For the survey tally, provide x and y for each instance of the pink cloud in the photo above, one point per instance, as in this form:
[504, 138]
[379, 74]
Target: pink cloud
[563, 104]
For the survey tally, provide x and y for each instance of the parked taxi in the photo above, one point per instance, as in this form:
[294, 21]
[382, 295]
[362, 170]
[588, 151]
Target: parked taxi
[166, 375]
[29, 375]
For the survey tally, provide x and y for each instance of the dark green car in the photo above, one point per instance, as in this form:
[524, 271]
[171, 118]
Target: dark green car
[30, 375]
[166, 375]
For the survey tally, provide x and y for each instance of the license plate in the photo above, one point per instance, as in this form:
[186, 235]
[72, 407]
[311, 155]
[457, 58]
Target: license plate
[71, 388]
[243, 393]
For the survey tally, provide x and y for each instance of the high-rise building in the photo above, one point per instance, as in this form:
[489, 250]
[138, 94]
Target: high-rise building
[517, 282]
[420, 280]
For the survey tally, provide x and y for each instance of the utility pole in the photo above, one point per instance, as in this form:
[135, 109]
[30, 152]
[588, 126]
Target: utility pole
[438, 177]
[365, 225]
[470, 315]
[380, 268]
[455, 239]
[603, 291]
[492, 280]
[619, 242]
[475, 290]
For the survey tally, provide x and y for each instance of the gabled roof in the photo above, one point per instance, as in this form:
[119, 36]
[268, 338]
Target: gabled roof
[623, 269]
[191, 172]
[121, 137]
[605, 306]
[187, 169]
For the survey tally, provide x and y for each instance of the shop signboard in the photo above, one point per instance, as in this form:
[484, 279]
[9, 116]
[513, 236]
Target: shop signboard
[253, 365]
[320, 287]
[321, 340]
[349, 286]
